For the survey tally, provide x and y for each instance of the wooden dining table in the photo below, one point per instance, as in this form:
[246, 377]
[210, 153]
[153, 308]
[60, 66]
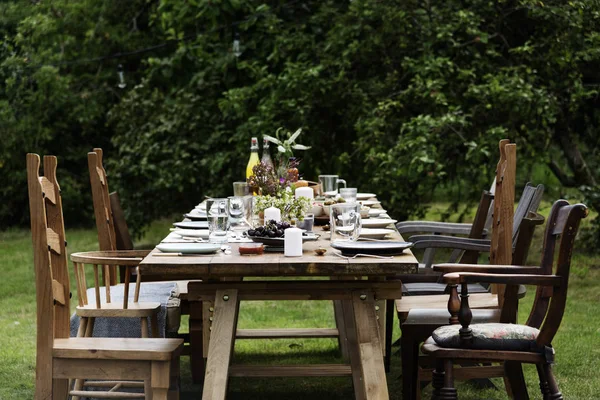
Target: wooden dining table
[359, 287]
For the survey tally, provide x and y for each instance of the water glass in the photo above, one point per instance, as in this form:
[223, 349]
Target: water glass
[240, 212]
[217, 211]
[241, 189]
[345, 222]
[349, 194]
[307, 223]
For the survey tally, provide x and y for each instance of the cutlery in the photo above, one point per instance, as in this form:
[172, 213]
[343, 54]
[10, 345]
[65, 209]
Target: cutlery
[363, 255]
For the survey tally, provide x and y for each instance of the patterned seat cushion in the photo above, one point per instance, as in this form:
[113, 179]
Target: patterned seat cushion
[494, 336]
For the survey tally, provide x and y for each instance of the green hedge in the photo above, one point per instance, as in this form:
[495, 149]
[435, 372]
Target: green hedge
[402, 98]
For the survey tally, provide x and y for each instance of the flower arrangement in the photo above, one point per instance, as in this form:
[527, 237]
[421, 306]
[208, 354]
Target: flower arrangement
[276, 186]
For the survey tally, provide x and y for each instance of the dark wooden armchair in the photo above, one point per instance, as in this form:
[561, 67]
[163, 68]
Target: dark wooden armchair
[504, 341]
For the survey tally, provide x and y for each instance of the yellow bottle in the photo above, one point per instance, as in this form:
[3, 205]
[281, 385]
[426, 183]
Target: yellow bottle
[253, 157]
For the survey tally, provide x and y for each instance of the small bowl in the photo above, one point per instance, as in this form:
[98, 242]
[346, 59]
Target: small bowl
[326, 227]
[364, 212]
[320, 251]
[317, 210]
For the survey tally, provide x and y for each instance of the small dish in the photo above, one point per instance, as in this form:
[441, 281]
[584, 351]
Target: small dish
[369, 203]
[320, 251]
[374, 233]
[251, 248]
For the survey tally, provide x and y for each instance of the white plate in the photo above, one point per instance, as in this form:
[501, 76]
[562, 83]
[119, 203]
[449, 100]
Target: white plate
[195, 233]
[377, 222]
[375, 212]
[365, 196]
[369, 203]
[189, 248]
[371, 233]
[192, 224]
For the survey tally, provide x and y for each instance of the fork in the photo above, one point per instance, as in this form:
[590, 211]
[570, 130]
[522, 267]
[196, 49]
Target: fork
[363, 255]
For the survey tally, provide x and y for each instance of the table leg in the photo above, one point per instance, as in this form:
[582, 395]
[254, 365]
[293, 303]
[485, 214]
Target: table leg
[197, 341]
[369, 344]
[340, 324]
[347, 309]
[221, 345]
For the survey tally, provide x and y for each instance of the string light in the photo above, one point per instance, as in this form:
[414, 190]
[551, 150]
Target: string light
[161, 45]
[236, 45]
[121, 83]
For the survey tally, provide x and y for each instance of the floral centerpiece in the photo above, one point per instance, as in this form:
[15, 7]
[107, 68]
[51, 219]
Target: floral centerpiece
[275, 185]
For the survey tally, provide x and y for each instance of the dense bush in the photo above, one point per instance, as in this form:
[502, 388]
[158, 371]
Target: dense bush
[399, 97]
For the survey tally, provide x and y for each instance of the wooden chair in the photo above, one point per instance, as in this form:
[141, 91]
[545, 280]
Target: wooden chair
[420, 324]
[507, 342]
[60, 358]
[418, 318]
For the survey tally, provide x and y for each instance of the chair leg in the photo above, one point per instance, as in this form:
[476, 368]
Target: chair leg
[409, 350]
[154, 322]
[544, 388]
[448, 392]
[160, 380]
[437, 379]
[81, 331]
[515, 381]
[555, 393]
[144, 321]
[60, 389]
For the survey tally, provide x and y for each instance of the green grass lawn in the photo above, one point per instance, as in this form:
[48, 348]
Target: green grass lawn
[577, 343]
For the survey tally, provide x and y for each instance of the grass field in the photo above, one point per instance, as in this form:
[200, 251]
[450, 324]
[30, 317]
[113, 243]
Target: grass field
[577, 343]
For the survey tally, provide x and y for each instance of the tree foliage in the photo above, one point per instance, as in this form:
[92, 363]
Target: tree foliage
[398, 97]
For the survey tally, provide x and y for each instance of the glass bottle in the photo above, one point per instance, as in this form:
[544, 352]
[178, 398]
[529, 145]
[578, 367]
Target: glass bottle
[253, 157]
[266, 155]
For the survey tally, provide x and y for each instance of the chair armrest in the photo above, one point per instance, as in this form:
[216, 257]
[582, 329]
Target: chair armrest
[483, 268]
[450, 228]
[508, 279]
[117, 257]
[449, 242]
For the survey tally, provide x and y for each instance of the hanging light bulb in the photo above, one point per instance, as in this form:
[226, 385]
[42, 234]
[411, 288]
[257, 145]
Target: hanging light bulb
[236, 45]
[121, 74]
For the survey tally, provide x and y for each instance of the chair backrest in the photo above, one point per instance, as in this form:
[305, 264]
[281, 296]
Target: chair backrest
[102, 209]
[122, 236]
[549, 303]
[50, 263]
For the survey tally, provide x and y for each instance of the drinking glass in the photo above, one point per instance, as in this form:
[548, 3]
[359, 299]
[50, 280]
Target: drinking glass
[241, 189]
[240, 212]
[330, 184]
[349, 194]
[345, 222]
[217, 211]
[307, 223]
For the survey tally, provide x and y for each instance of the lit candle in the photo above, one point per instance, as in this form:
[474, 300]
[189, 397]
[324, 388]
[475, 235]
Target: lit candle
[272, 213]
[305, 192]
[292, 242]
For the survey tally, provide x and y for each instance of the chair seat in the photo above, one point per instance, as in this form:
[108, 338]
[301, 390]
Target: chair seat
[440, 316]
[117, 348]
[115, 309]
[432, 288]
[492, 336]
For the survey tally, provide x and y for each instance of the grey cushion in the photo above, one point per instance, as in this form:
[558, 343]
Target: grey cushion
[493, 336]
[441, 316]
[432, 288]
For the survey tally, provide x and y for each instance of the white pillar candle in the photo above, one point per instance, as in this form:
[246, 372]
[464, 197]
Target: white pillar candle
[272, 213]
[305, 192]
[292, 242]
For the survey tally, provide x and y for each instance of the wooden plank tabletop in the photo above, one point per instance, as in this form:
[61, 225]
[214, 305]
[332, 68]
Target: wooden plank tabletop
[276, 264]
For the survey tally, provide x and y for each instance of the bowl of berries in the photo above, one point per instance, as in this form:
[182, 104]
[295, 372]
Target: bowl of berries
[272, 234]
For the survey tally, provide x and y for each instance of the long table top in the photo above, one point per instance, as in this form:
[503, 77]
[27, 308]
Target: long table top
[276, 264]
